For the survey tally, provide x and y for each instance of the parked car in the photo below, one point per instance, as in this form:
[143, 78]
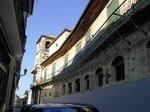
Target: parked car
[26, 107]
[57, 107]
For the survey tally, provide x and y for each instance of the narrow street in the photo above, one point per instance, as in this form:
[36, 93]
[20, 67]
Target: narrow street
[74, 55]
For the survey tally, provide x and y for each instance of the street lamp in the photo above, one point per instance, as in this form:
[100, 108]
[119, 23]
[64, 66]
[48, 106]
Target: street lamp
[25, 72]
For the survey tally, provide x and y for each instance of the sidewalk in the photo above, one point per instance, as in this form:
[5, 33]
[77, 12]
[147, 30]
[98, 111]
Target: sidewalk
[16, 109]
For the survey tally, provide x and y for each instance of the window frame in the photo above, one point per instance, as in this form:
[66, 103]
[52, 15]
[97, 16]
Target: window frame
[64, 89]
[100, 74]
[78, 47]
[53, 69]
[88, 36]
[70, 88]
[119, 68]
[87, 82]
[66, 61]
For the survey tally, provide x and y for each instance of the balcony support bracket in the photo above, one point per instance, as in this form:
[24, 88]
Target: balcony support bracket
[105, 53]
[125, 40]
[112, 46]
[117, 14]
[142, 31]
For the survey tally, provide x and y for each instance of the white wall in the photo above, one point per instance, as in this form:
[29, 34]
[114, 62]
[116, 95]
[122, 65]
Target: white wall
[127, 97]
[53, 48]
[29, 97]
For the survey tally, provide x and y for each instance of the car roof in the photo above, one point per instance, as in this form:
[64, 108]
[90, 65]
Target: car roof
[40, 106]
[63, 105]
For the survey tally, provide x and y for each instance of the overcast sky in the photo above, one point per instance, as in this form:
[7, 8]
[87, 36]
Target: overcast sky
[48, 16]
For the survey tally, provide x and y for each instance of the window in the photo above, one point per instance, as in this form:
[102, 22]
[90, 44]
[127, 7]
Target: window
[87, 82]
[34, 78]
[88, 36]
[49, 93]
[70, 88]
[77, 85]
[148, 45]
[113, 4]
[45, 73]
[38, 47]
[47, 45]
[118, 65]
[63, 89]
[65, 61]
[99, 73]
[148, 54]
[78, 47]
[53, 69]
[45, 94]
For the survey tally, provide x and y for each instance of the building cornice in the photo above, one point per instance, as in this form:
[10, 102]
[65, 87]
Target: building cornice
[45, 36]
[68, 30]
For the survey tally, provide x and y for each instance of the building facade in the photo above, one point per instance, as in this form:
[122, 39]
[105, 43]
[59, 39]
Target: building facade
[13, 17]
[17, 101]
[104, 61]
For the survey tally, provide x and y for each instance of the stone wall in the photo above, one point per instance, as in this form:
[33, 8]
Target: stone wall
[135, 58]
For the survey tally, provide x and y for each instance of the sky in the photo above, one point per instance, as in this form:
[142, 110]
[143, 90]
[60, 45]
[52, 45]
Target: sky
[48, 16]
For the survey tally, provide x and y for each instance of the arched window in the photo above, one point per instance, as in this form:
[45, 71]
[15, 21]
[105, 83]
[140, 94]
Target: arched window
[47, 45]
[119, 70]
[87, 82]
[148, 45]
[99, 73]
[77, 85]
[63, 89]
[70, 88]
